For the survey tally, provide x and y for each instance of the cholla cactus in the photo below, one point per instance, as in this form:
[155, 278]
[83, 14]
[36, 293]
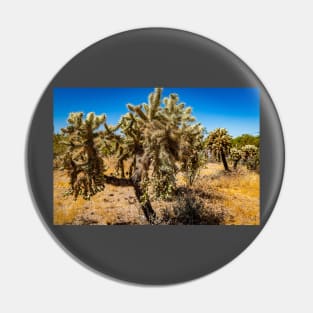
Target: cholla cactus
[235, 155]
[156, 138]
[250, 156]
[174, 139]
[193, 154]
[219, 143]
[82, 159]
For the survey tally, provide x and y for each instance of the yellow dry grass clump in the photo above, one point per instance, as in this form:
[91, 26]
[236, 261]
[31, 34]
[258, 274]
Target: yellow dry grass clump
[236, 194]
[239, 194]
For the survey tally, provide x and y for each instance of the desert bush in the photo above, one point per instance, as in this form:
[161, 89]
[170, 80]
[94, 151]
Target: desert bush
[190, 209]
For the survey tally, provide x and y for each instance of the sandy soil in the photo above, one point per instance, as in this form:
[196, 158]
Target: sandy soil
[236, 195]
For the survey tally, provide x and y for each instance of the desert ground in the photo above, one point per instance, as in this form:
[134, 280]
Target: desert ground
[221, 198]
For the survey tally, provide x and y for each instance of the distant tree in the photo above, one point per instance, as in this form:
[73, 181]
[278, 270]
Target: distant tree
[219, 143]
[246, 139]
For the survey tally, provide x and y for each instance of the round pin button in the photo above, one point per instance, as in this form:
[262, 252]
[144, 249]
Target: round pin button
[155, 156]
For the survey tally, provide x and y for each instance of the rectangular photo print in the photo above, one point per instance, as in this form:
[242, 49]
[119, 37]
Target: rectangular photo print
[160, 156]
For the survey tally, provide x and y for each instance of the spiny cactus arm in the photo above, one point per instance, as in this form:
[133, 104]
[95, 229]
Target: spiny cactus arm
[68, 130]
[154, 102]
[188, 111]
[127, 126]
[98, 121]
[72, 144]
[188, 118]
[101, 118]
[158, 124]
[156, 96]
[129, 116]
[105, 148]
[146, 108]
[113, 128]
[194, 130]
[163, 117]
[138, 110]
[75, 119]
[180, 106]
[170, 102]
[110, 129]
[65, 143]
[131, 133]
[131, 107]
[107, 128]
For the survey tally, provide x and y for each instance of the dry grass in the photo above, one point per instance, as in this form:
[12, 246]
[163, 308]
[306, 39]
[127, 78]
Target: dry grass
[237, 193]
[234, 197]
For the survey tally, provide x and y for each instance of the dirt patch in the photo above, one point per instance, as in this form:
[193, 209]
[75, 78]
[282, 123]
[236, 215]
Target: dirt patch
[220, 198]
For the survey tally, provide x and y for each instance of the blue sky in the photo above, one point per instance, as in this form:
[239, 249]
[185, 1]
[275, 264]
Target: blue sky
[237, 109]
